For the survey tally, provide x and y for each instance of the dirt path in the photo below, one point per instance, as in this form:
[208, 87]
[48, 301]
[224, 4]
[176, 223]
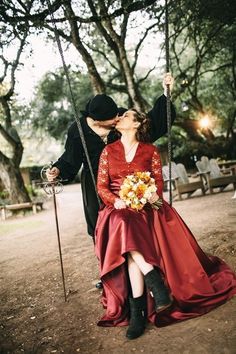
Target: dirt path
[35, 318]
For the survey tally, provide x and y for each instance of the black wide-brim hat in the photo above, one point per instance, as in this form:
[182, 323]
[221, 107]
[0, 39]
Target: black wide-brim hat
[102, 107]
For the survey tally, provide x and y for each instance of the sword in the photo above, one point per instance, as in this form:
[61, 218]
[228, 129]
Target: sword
[53, 188]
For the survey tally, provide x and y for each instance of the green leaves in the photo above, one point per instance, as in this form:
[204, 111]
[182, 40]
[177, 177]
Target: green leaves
[51, 107]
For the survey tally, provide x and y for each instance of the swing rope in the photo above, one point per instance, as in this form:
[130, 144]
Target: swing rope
[72, 98]
[168, 107]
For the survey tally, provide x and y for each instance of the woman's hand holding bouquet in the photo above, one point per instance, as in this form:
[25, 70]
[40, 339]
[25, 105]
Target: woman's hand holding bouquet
[136, 191]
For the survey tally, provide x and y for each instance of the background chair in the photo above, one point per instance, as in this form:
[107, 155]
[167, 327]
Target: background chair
[181, 180]
[213, 174]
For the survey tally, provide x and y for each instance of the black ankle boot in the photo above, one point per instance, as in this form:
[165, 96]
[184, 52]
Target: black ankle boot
[138, 311]
[158, 290]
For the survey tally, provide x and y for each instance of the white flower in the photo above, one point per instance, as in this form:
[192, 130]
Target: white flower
[131, 194]
[147, 194]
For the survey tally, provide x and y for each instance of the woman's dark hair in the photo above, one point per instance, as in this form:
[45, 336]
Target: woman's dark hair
[143, 132]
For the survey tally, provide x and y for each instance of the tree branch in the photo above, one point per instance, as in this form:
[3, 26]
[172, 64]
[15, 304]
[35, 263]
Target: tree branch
[116, 87]
[36, 18]
[39, 17]
[8, 137]
[6, 64]
[15, 65]
[227, 65]
[103, 30]
[123, 29]
[104, 55]
[139, 45]
[96, 80]
[146, 76]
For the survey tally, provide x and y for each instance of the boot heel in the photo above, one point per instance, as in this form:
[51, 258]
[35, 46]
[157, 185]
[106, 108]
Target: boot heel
[165, 307]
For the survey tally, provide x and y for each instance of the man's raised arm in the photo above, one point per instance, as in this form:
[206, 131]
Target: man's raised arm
[158, 114]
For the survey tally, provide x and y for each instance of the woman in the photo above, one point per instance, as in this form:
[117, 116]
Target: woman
[149, 250]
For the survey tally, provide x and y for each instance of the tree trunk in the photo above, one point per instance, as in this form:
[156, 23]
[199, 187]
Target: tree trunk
[96, 80]
[122, 59]
[12, 181]
[132, 87]
[10, 175]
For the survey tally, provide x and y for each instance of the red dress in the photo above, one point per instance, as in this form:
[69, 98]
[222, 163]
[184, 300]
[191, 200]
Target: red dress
[198, 283]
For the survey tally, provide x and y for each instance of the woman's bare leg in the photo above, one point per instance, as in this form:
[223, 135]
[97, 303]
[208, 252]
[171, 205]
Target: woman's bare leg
[141, 263]
[136, 278]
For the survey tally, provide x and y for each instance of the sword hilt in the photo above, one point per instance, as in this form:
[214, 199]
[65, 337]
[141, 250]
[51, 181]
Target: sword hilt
[53, 187]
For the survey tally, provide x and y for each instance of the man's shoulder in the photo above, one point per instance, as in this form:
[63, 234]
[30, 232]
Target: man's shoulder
[73, 127]
[73, 130]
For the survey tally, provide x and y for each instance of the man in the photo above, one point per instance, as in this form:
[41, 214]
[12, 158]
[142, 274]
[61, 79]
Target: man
[98, 122]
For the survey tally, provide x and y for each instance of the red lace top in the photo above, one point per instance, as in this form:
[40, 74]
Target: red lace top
[113, 168]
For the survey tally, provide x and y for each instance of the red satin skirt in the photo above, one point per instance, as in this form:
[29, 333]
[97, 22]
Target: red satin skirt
[197, 282]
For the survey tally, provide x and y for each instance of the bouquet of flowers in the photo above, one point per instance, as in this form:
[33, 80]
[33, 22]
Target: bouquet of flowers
[137, 189]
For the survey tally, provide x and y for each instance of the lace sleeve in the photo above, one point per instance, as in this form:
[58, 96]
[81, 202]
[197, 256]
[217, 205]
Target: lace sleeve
[103, 180]
[157, 172]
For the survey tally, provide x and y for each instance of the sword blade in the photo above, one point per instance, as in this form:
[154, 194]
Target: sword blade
[59, 241]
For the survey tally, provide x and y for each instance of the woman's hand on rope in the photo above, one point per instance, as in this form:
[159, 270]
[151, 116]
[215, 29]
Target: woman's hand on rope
[52, 173]
[167, 80]
[119, 204]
